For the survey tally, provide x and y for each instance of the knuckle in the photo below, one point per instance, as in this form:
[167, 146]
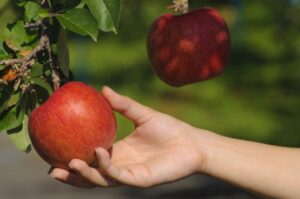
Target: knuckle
[127, 103]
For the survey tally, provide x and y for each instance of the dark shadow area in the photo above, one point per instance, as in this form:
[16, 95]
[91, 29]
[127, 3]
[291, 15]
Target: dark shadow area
[203, 187]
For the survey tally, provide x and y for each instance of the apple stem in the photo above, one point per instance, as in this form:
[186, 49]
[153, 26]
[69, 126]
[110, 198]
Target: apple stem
[180, 6]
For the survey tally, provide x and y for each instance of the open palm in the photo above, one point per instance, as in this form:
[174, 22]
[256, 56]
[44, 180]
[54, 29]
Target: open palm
[160, 149]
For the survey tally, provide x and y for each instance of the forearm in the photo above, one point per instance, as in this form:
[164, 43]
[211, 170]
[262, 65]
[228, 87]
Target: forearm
[264, 169]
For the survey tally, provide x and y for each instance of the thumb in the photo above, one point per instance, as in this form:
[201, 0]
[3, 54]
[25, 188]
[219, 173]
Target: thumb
[129, 108]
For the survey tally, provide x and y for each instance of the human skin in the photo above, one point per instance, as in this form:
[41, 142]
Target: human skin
[163, 149]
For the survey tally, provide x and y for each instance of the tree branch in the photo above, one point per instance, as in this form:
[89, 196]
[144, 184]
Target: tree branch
[29, 57]
[23, 64]
[37, 24]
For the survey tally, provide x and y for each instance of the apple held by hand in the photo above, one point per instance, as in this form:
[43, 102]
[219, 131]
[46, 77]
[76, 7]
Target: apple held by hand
[189, 48]
[74, 121]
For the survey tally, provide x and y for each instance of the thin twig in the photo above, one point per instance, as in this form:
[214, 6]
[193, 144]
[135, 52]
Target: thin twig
[17, 84]
[33, 54]
[55, 74]
[26, 62]
[37, 24]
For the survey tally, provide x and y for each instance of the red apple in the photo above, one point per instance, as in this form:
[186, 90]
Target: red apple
[74, 121]
[189, 48]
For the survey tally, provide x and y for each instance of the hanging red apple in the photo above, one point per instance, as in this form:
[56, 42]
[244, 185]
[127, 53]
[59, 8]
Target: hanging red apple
[74, 121]
[189, 48]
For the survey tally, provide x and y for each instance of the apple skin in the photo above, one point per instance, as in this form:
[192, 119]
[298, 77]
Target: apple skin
[74, 121]
[189, 48]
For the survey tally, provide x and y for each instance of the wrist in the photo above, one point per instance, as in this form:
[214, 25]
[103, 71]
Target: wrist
[206, 143]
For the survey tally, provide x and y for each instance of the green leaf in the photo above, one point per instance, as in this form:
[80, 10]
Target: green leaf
[20, 136]
[5, 98]
[42, 93]
[21, 3]
[28, 102]
[16, 37]
[49, 3]
[54, 48]
[3, 53]
[107, 13]
[6, 34]
[44, 13]
[71, 4]
[2, 67]
[63, 53]
[19, 33]
[81, 5]
[32, 11]
[80, 21]
[43, 83]
[36, 70]
[47, 72]
[13, 100]
[11, 118]
[67, 4]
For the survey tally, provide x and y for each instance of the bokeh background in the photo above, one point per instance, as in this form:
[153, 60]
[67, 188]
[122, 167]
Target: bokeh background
[256, 98]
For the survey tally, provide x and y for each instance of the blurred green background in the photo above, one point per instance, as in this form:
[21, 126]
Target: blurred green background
[256, 98]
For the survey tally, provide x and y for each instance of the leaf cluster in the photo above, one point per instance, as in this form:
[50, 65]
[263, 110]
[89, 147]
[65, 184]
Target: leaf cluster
[26, 85]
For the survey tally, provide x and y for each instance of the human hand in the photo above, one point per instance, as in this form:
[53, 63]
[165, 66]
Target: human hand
[161, 149]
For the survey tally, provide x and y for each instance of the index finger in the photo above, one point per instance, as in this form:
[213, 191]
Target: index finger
[129, 108]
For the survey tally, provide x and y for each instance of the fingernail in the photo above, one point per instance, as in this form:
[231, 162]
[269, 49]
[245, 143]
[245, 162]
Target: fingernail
[52, 175]
[50, 170]
[98, 150]
[72, 165]
[106, 87]
[111, 90]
